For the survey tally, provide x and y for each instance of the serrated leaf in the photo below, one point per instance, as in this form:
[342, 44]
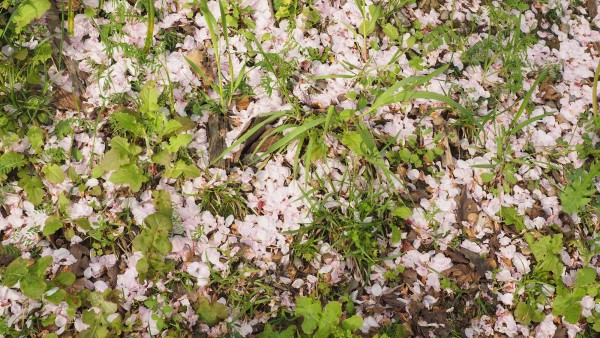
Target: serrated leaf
[181, 168]
[525, 314]
[10, 161]
[178, 142]
[112, 160]
[573, 201]
[53, 173]
[63, 128]
[122, 121]
[391, 31]
[27, 11]
[123, 146]
[569, 305]
[33, 189]
[35, 136]
[155, 237]
[149, 98]
[353, 323]
[546, 250]
[130, 175]
[310, 309]
[52, 225]
[330, 319]
[170, 127]
[511, 217]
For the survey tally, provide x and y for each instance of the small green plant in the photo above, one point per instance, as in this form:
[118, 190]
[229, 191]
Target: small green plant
[318, 321]
[224, 200]
[580, 194]
[153, 241]
[32, 279]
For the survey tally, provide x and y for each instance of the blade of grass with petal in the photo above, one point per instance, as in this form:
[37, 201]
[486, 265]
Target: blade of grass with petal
[274, 116]
[526, 98]
[295, 133]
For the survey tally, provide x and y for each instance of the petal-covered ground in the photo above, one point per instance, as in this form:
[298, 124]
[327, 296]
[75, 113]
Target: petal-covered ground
[291, 168]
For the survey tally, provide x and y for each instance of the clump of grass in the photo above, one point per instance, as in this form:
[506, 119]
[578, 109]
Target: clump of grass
[355, 218]
[224, 200]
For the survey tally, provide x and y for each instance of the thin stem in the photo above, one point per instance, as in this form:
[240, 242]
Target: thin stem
[595, 90]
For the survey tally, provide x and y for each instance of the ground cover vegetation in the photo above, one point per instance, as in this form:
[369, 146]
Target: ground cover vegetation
[299, 168]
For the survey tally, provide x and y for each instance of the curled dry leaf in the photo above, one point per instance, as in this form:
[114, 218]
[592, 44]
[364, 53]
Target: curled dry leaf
[65, 100]
[200, 60]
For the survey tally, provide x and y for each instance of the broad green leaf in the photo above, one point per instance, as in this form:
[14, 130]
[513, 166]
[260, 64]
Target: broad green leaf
[33, 187]
[181, 168]
[42, 53]
[525, 314]
[396, 235]
[353, 323]
[354, 142]
[391, 31]
[573, 200]
[55, 297]
[170, 127]
[122, 121]
[546, 250]
[155, 237]
[16, 270]
[65, 278]
[121, 145]
[310, 309]
[142, 266]
[130, 175]
[269, 333]
[585, 277]
[178, 142]
[27, 11]
[112, 160]
[33, 287]
[402, 212]
[53, 173]
[39, 268]
[10, 161]
[330, 319]
[149, 98]
[569, 305]
[52, 225]
[511, 217]
[36, 137]
[163, 158]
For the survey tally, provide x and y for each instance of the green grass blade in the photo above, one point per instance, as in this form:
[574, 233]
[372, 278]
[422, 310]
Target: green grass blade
[274, 116]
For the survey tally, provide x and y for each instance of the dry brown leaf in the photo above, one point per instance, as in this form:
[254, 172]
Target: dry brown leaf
[198, 58]
[65, 100]
[242, 103]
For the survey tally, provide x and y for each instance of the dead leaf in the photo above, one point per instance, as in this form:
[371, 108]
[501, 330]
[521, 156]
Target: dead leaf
[548, 92]
[199, 59]
[465, 206]
[592, 7]
[462, 275]
[65, 100]
[242, 103]
[64, 5]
